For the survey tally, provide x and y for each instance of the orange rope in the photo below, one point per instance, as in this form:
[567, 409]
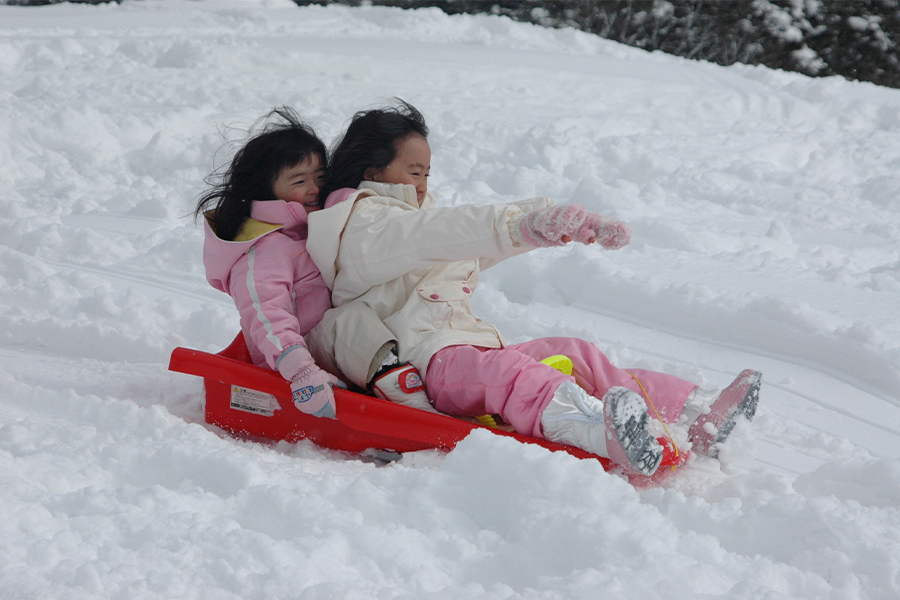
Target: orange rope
[650, 402]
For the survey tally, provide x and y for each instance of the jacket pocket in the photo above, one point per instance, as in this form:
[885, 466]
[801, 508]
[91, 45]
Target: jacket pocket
[448, 304]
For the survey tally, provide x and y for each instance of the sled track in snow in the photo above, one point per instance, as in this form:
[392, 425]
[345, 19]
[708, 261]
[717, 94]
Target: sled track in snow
[148, 282]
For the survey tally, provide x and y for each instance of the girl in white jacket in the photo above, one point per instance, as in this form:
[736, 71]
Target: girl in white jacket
[382, 241]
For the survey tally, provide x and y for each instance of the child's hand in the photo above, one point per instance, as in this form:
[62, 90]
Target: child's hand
[610, 233]
[559, 225]
[551, 226]
[311, 387]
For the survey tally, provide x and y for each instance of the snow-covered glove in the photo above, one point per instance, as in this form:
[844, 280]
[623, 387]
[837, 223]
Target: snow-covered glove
[311, 387]
[557, 225]
[608, 232]
[546, 227]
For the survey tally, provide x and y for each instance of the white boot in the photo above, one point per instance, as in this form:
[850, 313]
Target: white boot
[402, 384]
[614, 428]
[575, 418]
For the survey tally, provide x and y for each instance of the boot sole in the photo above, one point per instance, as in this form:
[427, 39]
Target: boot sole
[628, 416]
[746, 408]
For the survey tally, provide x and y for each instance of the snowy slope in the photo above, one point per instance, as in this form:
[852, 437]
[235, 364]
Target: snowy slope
[766, 212]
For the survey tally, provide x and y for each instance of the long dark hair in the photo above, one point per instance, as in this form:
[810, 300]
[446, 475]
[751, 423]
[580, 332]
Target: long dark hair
[283, 140]
[370, 142]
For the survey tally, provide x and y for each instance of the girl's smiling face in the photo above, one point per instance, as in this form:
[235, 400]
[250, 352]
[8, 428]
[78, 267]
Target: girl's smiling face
[301, 183]
[411, 166]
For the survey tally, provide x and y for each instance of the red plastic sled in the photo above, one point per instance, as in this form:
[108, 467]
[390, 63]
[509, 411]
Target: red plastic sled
[253, 402]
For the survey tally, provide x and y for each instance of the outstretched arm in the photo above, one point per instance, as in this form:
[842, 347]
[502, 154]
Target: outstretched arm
[381, 242]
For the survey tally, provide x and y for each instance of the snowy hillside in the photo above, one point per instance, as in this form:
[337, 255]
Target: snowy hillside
[766, 215]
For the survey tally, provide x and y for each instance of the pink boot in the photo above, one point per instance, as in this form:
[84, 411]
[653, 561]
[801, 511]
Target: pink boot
[739, 398]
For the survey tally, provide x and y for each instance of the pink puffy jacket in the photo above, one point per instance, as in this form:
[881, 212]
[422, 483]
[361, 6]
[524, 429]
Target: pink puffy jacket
[275, 285]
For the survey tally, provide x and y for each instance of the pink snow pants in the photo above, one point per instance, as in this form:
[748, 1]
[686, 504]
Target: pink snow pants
[513, 383]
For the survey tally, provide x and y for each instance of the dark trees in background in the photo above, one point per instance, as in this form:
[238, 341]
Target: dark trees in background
[857, 39]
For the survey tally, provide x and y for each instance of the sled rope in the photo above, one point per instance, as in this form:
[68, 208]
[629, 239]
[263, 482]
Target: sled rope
[650, 402]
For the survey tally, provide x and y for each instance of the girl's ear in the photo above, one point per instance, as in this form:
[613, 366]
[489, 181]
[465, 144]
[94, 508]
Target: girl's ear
[370, 174]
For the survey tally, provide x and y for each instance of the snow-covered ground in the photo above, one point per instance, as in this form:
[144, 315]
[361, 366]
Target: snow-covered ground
[766, 212]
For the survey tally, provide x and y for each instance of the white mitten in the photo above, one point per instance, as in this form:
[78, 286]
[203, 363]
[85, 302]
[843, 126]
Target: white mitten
[311, 387]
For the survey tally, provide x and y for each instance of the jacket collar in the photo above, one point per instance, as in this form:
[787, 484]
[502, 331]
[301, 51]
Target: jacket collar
[219, 255]
[284, 213]
[269, 215]
[399, 191]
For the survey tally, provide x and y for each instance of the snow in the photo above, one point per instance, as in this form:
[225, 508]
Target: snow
[766, 217]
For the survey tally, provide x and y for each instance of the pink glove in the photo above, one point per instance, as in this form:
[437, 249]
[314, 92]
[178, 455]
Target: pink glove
[311, 387]
[608, 232]
[547, 227]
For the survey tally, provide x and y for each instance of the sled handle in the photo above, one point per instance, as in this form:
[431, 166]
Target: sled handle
[228, 370]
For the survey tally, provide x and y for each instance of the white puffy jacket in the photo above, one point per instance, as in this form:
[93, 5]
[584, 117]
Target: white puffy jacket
[415, 266]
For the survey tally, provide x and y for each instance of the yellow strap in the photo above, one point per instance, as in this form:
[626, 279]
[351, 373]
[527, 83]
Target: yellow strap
[487, 421]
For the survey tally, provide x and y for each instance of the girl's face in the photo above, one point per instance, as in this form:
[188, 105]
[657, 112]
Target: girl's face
[411, 166]
[301, 183]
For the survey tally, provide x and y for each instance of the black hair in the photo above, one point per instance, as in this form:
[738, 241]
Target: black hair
[284, 141]
[370, 142]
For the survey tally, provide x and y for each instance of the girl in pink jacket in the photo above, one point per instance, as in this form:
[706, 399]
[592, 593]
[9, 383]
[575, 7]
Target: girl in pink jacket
[256, 224]
[381, 241]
